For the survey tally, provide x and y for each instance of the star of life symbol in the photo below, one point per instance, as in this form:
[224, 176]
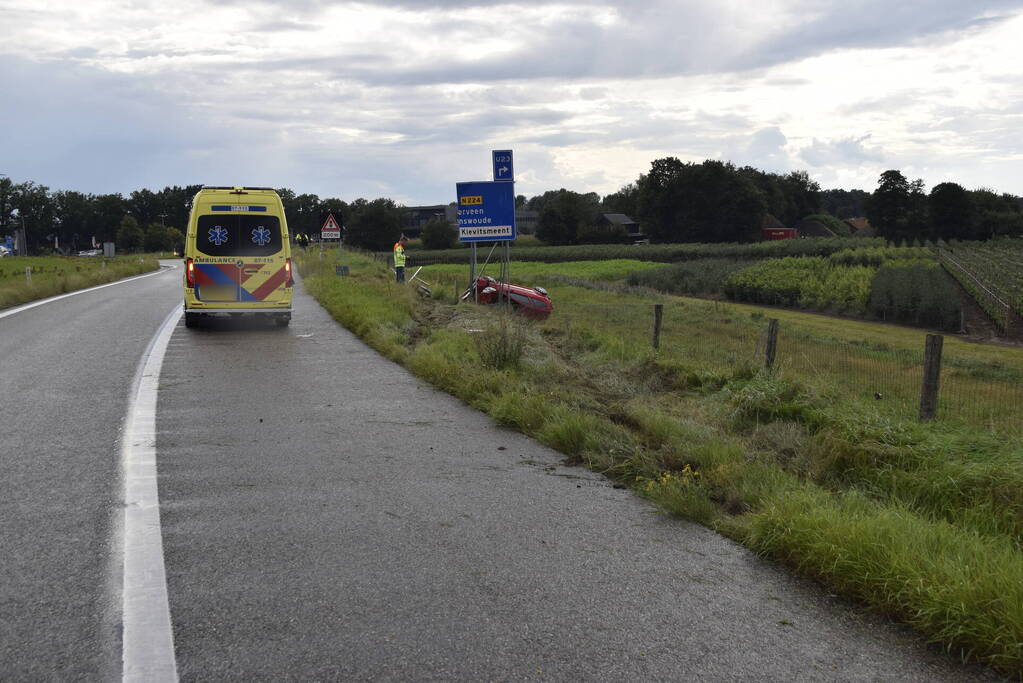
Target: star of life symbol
[218, 235]
[261, 236]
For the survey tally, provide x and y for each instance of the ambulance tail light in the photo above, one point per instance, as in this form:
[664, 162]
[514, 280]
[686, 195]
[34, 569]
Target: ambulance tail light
[291, 277]
[190, 273]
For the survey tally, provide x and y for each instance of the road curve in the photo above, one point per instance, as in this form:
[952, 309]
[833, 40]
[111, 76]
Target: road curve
[66, 368]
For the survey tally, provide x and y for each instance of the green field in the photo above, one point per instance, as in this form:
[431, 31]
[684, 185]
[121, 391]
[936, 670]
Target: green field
[52, 275]
[922, 521]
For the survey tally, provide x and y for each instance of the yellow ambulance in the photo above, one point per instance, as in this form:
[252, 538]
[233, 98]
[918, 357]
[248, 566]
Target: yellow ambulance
[237, 255]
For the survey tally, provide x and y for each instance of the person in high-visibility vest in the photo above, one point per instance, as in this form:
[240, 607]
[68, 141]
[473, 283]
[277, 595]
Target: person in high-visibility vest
[399, 258]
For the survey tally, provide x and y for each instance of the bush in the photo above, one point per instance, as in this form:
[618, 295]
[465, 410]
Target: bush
[807, 282]
[706, 276]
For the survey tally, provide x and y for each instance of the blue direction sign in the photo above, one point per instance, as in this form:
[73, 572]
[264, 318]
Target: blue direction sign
[486, 211]
[504, 170]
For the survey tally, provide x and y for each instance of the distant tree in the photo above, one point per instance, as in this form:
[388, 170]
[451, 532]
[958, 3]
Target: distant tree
[844, 203]
[304, 215]
[622, 201]
[918, 220]
[520, 201]
[888, 207]
[73, 216]
[996, 215]
[175, 203]
[374, 225]
[439, 234]
[36, 210]
[6, 203]
[951, 212]
[802, 196]
[707, 202]
[564, 214]
[107, 212]
[130, 237]
[159, 237]
[144, 206]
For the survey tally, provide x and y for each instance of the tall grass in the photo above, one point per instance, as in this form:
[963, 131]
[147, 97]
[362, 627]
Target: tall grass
[53, 275]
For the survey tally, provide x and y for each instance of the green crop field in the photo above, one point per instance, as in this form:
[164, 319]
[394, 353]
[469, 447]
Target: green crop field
[990, 271]
[819, 462]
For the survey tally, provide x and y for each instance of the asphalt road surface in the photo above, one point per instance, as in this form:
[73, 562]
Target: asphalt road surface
[327, 516]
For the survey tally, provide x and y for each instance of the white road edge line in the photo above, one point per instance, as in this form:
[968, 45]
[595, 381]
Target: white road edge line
[25, 307]
[148, 640]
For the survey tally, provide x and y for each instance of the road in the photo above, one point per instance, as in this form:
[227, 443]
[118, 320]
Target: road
[327, 516]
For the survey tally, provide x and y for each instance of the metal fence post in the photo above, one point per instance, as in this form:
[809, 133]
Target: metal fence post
[28, 274]
[932, 377]
[658, 316]
[772, 343]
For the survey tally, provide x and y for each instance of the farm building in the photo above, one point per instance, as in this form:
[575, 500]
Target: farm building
[632, 227]
[773, 229]
[812, 228]
[860, 227]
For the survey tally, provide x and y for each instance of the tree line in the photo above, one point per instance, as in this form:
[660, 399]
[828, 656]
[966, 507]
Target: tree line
[675, 202]
[716, 201]
[145, 220]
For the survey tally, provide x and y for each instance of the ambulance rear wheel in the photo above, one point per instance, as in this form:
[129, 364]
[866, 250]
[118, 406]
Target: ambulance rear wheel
[282, 320]
[193, 320]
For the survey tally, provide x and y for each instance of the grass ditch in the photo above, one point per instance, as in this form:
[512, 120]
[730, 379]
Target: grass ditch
[923, 522]
[53, 275]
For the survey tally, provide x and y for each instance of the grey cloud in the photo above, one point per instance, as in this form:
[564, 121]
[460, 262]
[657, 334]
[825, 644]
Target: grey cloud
[843, 151]
[664, 38]
[593, 93]
[282, 25]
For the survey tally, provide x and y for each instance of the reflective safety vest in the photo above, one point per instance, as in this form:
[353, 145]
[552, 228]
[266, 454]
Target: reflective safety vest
[399, 255]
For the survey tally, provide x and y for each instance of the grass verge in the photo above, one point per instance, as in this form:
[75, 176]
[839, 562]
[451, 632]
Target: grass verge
[921, 522]
[53, 275]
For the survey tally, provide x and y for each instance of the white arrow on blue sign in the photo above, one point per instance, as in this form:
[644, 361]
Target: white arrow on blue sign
[503, 167]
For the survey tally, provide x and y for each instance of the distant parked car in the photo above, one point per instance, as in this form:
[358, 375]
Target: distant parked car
[90, 252]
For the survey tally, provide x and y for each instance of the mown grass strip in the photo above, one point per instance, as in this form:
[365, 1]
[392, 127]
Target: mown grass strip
[921, 522]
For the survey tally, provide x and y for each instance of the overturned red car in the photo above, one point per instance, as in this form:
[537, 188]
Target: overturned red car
[532, 302]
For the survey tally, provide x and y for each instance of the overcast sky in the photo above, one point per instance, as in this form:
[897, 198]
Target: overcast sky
[404, 98]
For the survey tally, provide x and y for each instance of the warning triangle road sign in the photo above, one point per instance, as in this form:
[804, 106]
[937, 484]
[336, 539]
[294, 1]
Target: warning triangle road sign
[331, 229]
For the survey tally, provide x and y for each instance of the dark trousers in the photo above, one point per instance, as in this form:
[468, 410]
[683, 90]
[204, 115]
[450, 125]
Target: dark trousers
[399, 273]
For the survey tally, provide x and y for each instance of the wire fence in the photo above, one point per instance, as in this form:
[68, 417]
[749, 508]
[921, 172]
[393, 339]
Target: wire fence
[718, 338]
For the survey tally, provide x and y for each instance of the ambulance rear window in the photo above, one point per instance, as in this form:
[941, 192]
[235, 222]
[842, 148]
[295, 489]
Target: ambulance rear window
[238, 235]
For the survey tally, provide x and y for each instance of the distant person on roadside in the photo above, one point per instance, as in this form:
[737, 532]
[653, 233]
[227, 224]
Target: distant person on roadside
[399, 259]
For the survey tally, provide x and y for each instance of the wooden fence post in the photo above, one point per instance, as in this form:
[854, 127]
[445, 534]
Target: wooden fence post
[772, 343]
[932, 377]
[658, 315]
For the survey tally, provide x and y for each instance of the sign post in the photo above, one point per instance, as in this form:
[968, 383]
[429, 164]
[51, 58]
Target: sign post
[486, 211]
[331, 230]
[504, 169]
